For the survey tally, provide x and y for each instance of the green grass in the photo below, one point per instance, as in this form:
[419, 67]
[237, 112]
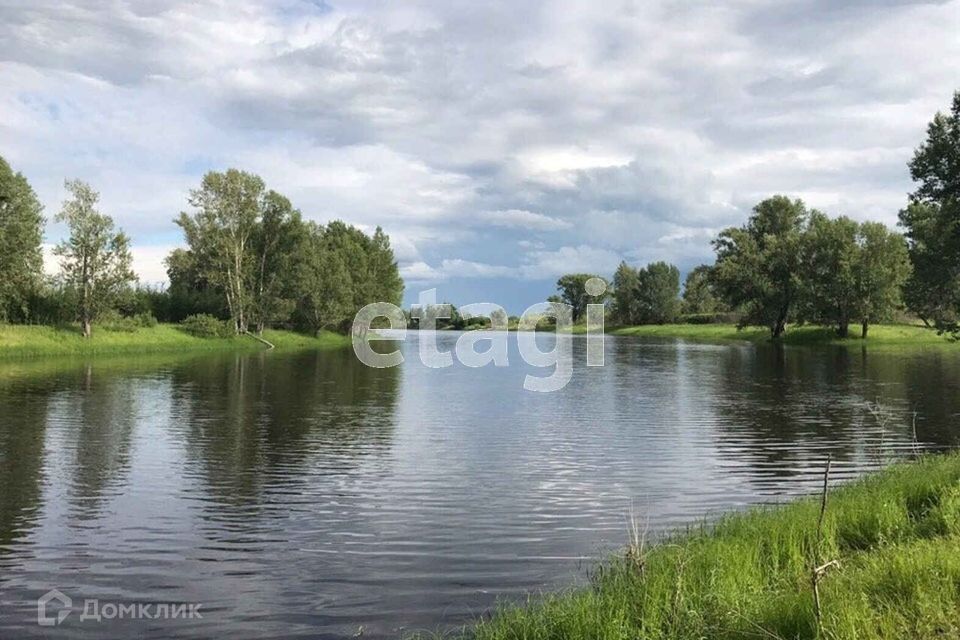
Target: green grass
[18, 341]
[896, 536]
[896, 335]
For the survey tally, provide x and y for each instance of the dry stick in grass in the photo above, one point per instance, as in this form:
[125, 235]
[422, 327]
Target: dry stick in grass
[820, 569]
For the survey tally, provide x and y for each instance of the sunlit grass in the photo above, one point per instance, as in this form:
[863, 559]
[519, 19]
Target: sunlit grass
[23, 341]
[896, 536]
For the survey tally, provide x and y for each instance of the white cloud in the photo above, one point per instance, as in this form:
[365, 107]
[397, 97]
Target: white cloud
[420, 272]
[540, 265]
[521, 219]
[147, 263]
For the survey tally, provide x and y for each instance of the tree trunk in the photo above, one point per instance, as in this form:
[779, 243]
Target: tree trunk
[864, 327]
[87, 328]
[778, 329]
[781, 324]
[843, 328]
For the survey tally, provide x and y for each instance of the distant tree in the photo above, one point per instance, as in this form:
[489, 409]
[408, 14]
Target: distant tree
[757, 264]
[626, 280]
[95, 260]
[498, 318]
[932, 222]
[21, 233]
[573, 291]
[698, 293]
[658, 293]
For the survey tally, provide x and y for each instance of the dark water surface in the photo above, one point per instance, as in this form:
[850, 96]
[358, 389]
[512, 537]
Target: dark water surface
[306, 494]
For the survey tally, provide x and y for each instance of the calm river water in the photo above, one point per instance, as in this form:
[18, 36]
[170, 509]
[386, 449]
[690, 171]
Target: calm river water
[308, 495]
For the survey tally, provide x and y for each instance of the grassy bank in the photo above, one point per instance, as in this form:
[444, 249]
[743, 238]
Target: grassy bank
[879, 335]
[17, 341]
[895, 535]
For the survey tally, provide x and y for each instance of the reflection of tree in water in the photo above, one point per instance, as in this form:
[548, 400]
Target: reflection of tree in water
[931, 382]
[102, 413]
[784, 409]
[22, 441]
[97, 409]
[250, 420]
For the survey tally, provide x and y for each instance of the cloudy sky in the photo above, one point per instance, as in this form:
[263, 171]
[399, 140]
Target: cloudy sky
[500, 144]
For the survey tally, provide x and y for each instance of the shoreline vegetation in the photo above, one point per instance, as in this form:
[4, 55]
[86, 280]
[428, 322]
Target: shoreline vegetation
[891, 540]
[883, 335]
[25, 341]
[28, 341]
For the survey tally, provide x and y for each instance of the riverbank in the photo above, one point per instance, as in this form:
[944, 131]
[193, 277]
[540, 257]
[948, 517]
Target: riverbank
[893, 335]
[19, 341]
[894, 535]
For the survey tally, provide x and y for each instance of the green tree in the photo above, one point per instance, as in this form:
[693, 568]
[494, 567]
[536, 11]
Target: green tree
[189, 292]
[851, 272]
[573, 291]
[932, 222]
[757, 264]
[883, 269]
[353, 248]
[21, 233]
[220, 235]
[323, 282]
[273, 244]
[626, 280]
[830, 265]
[95, 260]
[658, 293]
[698, 293]
[388, 285]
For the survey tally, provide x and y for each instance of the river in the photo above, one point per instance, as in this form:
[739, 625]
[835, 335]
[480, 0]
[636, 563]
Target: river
[306, 494]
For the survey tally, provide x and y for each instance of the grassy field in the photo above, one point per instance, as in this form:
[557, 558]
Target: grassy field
[17, 341]
[895, 535]
[879, 335]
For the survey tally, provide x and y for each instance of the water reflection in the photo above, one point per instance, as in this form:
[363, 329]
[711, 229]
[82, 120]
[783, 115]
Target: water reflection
[305, 494]
[21, 462]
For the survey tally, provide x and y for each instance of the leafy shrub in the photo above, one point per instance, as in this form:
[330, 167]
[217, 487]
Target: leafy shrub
[145, 319]
[113, 320]
[203, 325]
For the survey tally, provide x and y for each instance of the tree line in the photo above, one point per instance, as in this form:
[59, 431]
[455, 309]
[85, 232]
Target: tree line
[791, 264]
[251, 262]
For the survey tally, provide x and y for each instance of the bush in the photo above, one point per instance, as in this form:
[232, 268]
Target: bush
[113, 320]
[145, 319]
[203, 325]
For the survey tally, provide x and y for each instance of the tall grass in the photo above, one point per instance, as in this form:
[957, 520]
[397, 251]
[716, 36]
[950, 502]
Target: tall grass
[896, 537]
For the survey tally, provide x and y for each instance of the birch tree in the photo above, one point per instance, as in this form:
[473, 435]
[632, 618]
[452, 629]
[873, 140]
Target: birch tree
[220, 232]
[95, 259]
